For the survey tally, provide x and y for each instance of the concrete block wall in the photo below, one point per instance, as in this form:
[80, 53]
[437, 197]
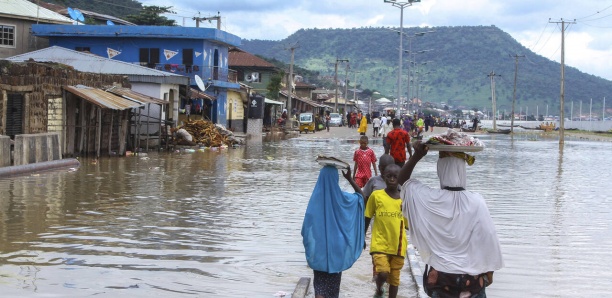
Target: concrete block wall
[5, 151]
[33, 148]
[254, 130]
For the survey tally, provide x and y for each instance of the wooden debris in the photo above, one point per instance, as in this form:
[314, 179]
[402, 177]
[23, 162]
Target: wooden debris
[208, 134]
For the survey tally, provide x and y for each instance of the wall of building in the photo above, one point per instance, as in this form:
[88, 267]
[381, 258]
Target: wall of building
[210, 58]
[24, 40]
[235, 111]
[40, 85]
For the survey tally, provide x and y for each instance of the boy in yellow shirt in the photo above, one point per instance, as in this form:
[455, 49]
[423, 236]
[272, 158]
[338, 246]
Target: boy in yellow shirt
[388, 243]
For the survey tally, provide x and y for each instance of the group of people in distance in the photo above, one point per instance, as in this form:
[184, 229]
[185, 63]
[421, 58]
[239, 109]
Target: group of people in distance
[450, 226]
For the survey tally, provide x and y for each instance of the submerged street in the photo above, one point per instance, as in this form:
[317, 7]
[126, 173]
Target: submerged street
[227, 223]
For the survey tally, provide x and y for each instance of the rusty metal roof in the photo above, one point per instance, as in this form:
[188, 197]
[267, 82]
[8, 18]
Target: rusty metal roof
[102, 98]
[195, 93]
[135, 96]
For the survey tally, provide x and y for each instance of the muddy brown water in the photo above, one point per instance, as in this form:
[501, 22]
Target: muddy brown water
[227, 223]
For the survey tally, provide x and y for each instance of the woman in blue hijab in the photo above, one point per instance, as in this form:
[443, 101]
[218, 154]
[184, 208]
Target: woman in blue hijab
[333, 230]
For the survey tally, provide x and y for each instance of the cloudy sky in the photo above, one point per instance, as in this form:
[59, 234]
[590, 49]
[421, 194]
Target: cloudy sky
[588, 42]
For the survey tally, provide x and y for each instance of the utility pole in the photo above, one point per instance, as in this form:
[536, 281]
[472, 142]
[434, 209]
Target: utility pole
[346, 85]
[561, 115]
[492, 76]
[336, 81]
[290, 83]
[514, 92]
[216, 18]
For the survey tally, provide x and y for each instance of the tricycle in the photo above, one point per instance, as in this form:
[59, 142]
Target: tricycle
[307, 123]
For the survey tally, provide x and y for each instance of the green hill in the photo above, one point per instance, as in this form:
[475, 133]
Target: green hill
[457, 66]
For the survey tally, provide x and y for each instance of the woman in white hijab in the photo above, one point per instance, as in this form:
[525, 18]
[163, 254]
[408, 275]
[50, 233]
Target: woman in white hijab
[451, 227]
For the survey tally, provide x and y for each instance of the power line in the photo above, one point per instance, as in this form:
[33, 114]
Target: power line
[546, 42]
[543, 30]
[586, 24]
[597, 18]
[593, 14]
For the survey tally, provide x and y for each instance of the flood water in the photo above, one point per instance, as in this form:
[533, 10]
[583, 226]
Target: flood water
[227, 223]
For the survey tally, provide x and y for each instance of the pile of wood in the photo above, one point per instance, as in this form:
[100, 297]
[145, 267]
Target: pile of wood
[208, 134]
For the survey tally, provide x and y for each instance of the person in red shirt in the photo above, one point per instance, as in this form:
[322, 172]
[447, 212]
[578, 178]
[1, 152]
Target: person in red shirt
[398, 140]
[364, 157]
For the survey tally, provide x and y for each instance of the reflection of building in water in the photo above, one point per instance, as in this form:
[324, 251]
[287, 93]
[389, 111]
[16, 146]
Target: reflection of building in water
[30, 209]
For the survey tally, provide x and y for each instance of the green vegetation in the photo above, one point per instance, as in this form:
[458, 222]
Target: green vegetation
[456, 69]
[151, 16]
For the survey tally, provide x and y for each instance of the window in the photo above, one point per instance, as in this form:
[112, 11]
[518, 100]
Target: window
[188, 57]
[7, 35]
[149, 57]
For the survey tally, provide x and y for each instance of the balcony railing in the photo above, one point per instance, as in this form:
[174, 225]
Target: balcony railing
[206, 72]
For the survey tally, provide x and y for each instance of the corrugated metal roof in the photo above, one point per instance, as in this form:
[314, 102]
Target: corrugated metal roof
[87, 62]
[307, 101]
[135, 96]
[23, 9]
[102, 98]
[195, 93]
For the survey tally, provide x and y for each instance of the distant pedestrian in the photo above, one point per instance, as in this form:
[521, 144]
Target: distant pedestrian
[363, 125]
[376, 125]
[398, 141]
[383, 125]
[364, 159]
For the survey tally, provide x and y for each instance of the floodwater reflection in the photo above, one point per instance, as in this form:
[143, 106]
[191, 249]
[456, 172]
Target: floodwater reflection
[227, 223]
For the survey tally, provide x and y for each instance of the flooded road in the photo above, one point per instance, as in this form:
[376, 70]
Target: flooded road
[227, 223]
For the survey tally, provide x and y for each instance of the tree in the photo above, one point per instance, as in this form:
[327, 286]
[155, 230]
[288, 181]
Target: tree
[274, 87]
[150, 16]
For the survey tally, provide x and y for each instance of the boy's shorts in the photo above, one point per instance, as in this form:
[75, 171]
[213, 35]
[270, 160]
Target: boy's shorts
[389, 264]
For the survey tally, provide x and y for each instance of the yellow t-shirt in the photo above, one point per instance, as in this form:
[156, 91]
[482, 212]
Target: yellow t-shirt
[389, 228]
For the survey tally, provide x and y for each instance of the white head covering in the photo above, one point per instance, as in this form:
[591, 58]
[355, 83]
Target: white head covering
[452, 172]
[452, 230]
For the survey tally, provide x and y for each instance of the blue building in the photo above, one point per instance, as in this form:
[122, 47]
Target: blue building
[185, 51]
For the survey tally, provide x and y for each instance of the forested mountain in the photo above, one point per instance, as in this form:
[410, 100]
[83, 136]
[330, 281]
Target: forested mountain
[454, 67]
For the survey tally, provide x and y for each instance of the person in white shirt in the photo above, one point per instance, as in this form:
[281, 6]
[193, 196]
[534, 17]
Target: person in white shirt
[383, 125]
[376, 124]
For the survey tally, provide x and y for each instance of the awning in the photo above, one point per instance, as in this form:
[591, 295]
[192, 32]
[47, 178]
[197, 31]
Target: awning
[307, 101]
[195, 93]
[135, 96]
[102, 98]
[273, 102]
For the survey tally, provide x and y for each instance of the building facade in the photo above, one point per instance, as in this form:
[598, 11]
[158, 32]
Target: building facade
[190, 52]
[16, 20]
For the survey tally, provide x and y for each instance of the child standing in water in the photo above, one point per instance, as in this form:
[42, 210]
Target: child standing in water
[388, 243]
[364, 157]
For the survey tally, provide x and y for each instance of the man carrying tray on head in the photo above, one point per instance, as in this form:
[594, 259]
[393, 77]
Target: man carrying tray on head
[451, 227]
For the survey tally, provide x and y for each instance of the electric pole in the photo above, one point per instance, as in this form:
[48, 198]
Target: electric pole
[492, 77]
[336, 81]
[514, 92]
[562, 114]
[290, 84]
[216, 18]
